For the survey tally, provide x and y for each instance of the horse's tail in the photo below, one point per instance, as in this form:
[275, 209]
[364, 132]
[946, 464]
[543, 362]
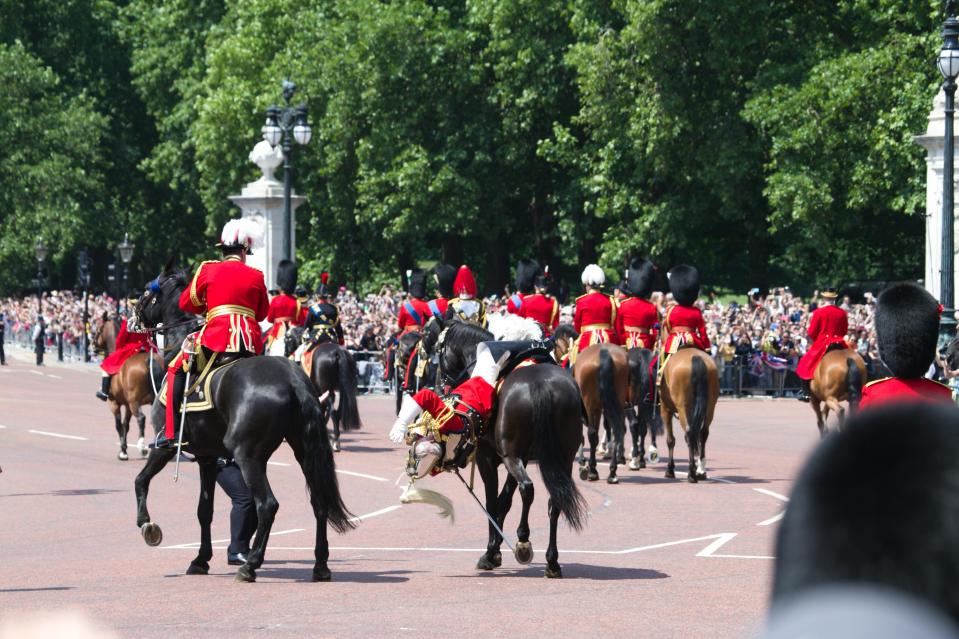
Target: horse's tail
[554, 465]
[612, 407]
[318, 464]
[346, 369]
[699, 400]
[853, 385]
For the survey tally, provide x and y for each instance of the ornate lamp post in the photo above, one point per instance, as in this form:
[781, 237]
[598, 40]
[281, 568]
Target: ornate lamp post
[40, 251]
[948, 63]
[126, 254]
[282, 124]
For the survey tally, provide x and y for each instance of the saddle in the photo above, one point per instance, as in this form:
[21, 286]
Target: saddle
[199, 396]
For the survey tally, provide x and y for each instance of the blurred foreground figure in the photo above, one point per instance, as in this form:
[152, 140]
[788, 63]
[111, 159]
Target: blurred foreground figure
[878, 505]
[63, 624]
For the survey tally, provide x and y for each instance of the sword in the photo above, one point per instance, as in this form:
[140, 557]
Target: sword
[485, 512]
[179, 439]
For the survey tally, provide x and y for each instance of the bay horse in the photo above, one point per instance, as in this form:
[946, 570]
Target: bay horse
[258, 403]
[839, 377]
[642, 418]
[105, 337]
[332, 371]
[130, 389]
[689, 389]
[602, 373]
[538, 416]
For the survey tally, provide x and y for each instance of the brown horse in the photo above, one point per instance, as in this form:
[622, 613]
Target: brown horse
[839, 377]
[130, 389]
[689, 389]
[602, 373]
[105, 337]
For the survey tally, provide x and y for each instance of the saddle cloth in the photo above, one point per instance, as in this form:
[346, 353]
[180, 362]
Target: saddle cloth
[199, 397]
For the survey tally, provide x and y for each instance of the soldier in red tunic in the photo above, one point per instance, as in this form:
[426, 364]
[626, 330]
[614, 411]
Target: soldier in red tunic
[285, 310]
[526, 272]
[827, 326]
[595, 313]
[303, 297]
[466, 306]
[445, 275]
[907, 330]
[637, 321]
[128, 344]
[542, 307]
[233, 298]
[415, 311]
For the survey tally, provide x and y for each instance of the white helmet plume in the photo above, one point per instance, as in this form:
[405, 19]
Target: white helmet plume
[593, 275]
[242, 232]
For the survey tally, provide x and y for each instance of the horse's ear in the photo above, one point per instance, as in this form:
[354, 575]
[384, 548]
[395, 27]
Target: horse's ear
[170, 266]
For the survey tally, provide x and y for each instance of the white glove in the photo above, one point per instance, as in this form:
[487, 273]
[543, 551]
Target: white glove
[398, 432]
[409, 411]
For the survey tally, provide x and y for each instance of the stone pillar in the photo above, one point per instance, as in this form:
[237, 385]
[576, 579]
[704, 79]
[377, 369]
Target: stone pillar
[262, 201]
[933, 140]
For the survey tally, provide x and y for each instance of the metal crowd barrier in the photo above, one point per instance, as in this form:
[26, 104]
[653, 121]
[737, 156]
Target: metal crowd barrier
[744, 379]
[369, 372]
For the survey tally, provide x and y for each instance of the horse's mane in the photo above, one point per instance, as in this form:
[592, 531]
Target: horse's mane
[465, 334]
[565, 331]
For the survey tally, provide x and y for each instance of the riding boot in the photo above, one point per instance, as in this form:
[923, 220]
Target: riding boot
[169, 436]
[104, 392]
[806, 391]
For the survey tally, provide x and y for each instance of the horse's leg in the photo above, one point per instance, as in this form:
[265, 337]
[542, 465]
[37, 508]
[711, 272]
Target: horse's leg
[820, 419]
[701, 469]
[486, 463]
[142, 424]
[158, 458]
[553, 569]
[832, 404]
[667, 416]
[204, 514]
[524, 549]
[692, 446]
[254, 473]
[127, 416]
[592, 433]
[637, 429]
[336, 413]
[121, 435]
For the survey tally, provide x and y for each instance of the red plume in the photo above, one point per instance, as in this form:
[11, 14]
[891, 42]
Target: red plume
[324, 277]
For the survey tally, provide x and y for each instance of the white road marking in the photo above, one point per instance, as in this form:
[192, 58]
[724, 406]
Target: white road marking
[772, 520]
[43, 432]
[772, 494]
[2, 426]
[381, 511]
[724, 538]
[35, 372]
[363, 475]
[54, 376]
[195, 545]
[273, 463]
[680, 473]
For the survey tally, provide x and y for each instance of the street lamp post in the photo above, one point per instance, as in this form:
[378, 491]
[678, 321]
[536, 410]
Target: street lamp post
[40, 251]
[126, 254]
[948, 64]
[282, 124]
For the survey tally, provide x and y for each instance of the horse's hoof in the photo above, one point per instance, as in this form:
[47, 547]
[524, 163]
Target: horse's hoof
[554, 572]
[336, 447]
[583, 472]
[322, 574]
[142, 447]
[621, 461]
[122, 456]
[701, 476]
[634, 464]
[198, 568]
[670, 474]
[691, 478]
[151, 533]
[653, 455]
[592, 476]
[523, 552]
[612, 479]
[245, 574]
[485, 563]
[642, 464]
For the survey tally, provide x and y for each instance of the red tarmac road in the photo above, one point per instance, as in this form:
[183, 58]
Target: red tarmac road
[659, 558]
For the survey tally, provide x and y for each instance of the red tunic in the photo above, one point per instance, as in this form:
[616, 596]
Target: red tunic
[542, 308]
[233, 297]
[406, 321]
[828, 325]
[637, 323]
[894, 389]
[440, 303]
[593, 320]
[515, 304]
[475, 393]
[128, 344]
[690, 318]
[283, 308]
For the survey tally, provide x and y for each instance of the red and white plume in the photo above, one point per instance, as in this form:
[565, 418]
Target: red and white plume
[242, 232]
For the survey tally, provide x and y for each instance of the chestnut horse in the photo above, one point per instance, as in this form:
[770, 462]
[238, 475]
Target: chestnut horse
[105, 337]
[602, 373]
[689, 389]
[130, 389]
[839, 377]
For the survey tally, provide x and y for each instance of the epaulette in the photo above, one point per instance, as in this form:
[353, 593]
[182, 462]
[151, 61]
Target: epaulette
[582, 296]
[877, 381]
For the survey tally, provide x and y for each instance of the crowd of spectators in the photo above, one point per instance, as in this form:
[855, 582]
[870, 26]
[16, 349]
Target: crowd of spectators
[63, 319]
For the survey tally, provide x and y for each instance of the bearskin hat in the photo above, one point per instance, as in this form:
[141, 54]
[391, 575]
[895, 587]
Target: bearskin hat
[639, 278]
[684, 284]
[907, 329]
[593, 276]
[417, 283]
[541, 281]
[526, 272]
[323, 290]
[286, 276]
[445, 275]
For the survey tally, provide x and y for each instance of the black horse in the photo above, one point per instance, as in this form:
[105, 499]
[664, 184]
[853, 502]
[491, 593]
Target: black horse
[643, 417]
[404, 350]
[538, 416]
[332, 371]
[258, 402]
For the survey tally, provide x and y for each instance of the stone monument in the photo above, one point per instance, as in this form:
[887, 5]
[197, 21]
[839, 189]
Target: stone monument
[262, 201]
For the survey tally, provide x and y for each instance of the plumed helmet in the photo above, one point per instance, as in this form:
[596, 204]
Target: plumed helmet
[322, 290]
[242, 232]
[907, 329]
[526, 272]
[593, 276]
[684, 284]
[541, 281]
[639, 278]
[465, 284]
[445, 275]
[417, 283]
[286, 276]
[301, 293]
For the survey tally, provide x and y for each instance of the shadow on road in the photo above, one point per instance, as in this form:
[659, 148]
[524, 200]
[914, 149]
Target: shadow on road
[573, 571]
[44, 589]
[71, 492]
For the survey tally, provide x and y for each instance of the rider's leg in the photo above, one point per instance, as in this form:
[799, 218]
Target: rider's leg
[806, 391]
[104, 392]
[176, 383]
